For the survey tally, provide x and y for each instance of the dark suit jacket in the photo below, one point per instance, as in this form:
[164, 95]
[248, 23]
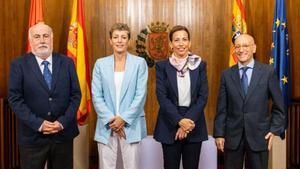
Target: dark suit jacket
[169, 112]
[237, 112]
[33, 102]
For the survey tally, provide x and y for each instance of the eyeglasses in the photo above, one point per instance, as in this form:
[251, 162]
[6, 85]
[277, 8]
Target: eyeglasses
[243, 46]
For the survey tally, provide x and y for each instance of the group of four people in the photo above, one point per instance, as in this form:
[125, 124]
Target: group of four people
[45, 94]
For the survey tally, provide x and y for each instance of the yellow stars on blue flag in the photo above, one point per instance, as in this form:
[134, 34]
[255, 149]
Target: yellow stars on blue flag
[284, 80]
[277, 22]
[272, 45]
[280, 50]
[271, 61]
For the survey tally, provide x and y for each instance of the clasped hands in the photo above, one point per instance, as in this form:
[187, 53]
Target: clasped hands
[186, 126]
[49, 127]
[117, 125]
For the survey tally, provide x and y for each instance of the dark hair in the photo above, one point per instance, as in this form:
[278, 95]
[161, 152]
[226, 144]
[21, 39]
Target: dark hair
[119, 27]
[178, 28]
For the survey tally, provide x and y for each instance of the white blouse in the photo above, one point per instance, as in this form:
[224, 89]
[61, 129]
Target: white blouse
[118, 85]
[184, 89]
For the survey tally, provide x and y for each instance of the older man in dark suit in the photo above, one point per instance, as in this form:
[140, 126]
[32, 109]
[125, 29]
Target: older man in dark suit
[44, 93]
[243, 123]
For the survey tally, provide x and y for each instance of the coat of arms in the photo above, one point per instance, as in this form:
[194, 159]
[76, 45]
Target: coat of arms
[153, 43]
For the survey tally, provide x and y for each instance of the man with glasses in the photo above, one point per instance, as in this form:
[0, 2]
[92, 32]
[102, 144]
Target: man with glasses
[244, 126]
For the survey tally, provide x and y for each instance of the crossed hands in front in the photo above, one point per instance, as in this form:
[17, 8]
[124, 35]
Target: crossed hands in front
[49, 127]
[117, 125]
[186, 126]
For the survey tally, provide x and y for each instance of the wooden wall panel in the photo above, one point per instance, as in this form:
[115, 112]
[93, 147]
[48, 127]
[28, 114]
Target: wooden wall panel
[293, 15]
[293, 136]
[209, 22]
[9, 150]
[12, 36]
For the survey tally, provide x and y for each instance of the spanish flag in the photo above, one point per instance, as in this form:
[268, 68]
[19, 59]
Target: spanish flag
[77, 50]
[239, 26]
[35, 16]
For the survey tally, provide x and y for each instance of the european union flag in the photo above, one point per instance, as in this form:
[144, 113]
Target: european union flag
[280, 52]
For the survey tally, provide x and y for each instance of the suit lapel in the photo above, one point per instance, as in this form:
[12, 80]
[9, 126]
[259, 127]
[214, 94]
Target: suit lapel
[256, 75]
[110, 74]
[129, 67]
[56, 63]
[172, 76]
[235, 75]
[33, 65]
[194, 75]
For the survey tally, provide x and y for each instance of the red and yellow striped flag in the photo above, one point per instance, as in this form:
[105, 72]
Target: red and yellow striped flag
[238, 25]
[77, 50]
[35, 15]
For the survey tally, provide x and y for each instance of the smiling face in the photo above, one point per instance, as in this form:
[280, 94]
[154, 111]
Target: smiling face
[244, 48]
[41, 40]
[119, 41]
[180, 43]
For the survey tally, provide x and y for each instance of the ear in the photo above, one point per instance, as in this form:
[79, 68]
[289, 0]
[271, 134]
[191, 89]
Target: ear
[110, 42]
[171, 45]
[254, 48]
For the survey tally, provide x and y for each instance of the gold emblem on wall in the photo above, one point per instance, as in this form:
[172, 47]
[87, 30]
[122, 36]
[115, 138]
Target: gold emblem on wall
[152, 43]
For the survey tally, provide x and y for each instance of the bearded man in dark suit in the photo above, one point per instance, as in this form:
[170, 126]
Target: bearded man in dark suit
[44, 94]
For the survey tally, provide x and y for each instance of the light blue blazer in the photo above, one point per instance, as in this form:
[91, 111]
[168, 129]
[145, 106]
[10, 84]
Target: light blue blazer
[132, 97]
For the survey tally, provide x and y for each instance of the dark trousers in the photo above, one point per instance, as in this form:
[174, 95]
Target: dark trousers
[57, 155]
[189, 151]
[234, 159]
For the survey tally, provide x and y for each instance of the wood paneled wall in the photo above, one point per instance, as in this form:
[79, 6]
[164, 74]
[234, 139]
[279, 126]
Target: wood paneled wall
[209, 22]
[293, 136]
[9, 150]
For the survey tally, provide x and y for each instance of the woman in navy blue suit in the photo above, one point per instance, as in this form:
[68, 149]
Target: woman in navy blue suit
[182, 90]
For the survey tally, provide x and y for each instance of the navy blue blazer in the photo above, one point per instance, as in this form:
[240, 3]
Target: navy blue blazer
[170, 113]
[239, 115]
[33, 102]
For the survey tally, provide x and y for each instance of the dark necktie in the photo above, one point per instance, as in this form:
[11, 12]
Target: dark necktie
[244, 79]
[47, 74]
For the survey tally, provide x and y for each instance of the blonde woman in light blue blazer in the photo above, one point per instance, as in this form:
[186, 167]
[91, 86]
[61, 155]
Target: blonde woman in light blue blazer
[119, 88]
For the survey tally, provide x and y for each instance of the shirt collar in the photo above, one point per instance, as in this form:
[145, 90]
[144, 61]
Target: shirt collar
[250, 64]
[39, 60]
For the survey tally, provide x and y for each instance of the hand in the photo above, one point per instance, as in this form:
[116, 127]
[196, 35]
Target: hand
[46, 127]
[51, 127]
[180, 134]
[121, 133]
[57, 126]
[269, 137]
[187, 124]
[116, 123]
[220, 143]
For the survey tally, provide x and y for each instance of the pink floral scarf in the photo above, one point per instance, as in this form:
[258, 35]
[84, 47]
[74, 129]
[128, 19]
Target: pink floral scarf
[191, 62]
